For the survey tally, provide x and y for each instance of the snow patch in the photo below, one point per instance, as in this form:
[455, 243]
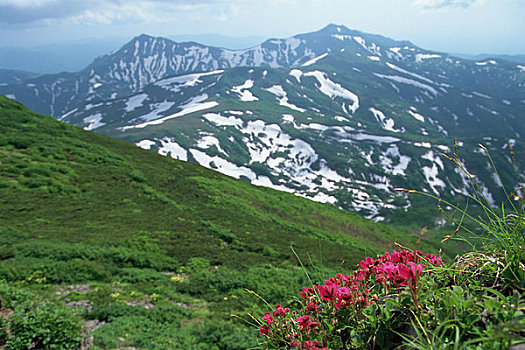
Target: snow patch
[487, 62]
[386, 123]
[208, 141]
[433, 181]
[93, 121]
[425, 56]
[245, 94]
[342, 37]
[296, 73]
[156, 111]
[417, 116]
[288, 118]
[67, 114]
[395, 50]
[481, 95]
[222, 165]
[220, 120]
[175, 84]
[333, 90]
[314, 60]
[404, 80]
[172, 148]
[235, 112]
[135, 102]
[387, 162]
[278, 91]
[196, 104]
[423, 144]
[145, 144]
[399, 69]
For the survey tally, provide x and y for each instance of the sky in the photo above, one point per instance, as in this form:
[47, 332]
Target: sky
[454, 26]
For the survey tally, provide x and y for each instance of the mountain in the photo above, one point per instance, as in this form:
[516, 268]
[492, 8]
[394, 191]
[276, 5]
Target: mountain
[346, 128]
[153, 252]
[217, 40]
[8, 76]
[486, 56]
[146, 59]
[336, 116]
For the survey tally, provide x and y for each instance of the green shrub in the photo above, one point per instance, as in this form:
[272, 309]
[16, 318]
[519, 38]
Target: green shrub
[224, 280]
[198, 264]
[20, 142]
[137, 176]
[135, 275]
[137, 331]
[37, 324]
[6, 252]
[10, 235]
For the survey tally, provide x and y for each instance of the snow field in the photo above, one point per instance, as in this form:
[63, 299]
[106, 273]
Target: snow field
[245, 94]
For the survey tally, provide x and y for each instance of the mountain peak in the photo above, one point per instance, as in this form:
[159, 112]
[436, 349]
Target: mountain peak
[335, 29]
[143, 37]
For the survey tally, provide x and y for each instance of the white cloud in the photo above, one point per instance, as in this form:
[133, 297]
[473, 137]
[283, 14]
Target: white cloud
[439, 4]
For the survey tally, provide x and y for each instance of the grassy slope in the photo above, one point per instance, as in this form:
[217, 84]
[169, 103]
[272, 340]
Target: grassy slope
[79, 207]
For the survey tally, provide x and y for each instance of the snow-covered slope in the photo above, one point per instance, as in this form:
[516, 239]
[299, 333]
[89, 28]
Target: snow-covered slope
[337, 116]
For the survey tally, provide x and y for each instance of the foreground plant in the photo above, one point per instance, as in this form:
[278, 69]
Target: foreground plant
[405, 300]
[332, 314]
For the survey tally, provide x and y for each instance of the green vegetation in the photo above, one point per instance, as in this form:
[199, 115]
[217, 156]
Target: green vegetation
[406, 300]
[151, 252]
[27, 322]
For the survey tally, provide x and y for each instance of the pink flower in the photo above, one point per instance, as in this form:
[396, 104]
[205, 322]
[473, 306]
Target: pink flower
[280, 311]
[385, 271]
[410, 273]
[312, 307]
[438, 261]
[268, 318]
[295, 344]
[344, 297]
[264, 330]
[303, 321]
[311, 345]
[396, 257]
[368, 263]
[307, 292]
[311, 326]
[328, 291]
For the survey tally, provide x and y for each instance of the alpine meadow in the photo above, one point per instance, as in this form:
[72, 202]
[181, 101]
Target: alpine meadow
[330, 190]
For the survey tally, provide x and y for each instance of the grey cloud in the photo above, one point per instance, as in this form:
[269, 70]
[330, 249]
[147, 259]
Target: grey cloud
[18, 14]
[12, 12]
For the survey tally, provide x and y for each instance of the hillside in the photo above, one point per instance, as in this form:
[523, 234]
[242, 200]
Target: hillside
[154, 251]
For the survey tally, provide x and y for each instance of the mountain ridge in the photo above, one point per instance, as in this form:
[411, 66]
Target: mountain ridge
[59, 93]
[335, 115]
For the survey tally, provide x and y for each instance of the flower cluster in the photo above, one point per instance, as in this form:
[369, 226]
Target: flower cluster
[329, 308]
